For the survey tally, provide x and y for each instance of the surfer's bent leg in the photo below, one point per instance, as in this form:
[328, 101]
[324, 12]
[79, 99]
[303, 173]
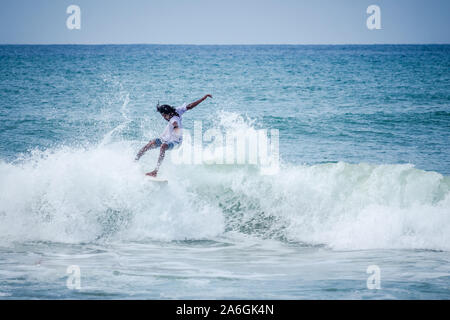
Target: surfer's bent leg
[162, 153]
[151, 145]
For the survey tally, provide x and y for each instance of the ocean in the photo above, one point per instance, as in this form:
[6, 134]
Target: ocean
[357, 208]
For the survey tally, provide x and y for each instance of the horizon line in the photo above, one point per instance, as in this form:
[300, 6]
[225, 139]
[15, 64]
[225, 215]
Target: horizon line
[221, 44]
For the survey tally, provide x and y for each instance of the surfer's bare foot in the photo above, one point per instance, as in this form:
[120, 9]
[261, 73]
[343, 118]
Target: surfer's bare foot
[152, 174]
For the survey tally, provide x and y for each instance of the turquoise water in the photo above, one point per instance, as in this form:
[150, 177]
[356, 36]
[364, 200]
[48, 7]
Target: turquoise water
[364, 173]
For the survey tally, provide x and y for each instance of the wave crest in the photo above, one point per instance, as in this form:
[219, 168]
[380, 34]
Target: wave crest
[81, 195]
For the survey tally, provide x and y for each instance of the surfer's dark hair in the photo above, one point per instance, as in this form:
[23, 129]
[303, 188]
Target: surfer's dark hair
[166, 109]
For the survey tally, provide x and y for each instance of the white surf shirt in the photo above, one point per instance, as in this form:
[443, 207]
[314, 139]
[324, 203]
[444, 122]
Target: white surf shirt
[174, 135]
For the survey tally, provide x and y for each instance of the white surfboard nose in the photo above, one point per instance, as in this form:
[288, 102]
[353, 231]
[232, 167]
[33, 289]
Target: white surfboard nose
[158, 180]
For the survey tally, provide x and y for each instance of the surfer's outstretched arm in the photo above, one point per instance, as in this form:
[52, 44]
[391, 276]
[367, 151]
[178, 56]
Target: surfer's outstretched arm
[196, 103]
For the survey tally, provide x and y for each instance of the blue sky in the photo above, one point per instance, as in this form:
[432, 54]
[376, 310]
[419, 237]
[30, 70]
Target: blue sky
[225, 21]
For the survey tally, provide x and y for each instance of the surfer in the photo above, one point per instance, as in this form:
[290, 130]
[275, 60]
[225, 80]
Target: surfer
[172, 135]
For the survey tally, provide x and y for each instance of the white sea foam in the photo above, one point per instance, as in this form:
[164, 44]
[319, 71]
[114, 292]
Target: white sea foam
[97, 193]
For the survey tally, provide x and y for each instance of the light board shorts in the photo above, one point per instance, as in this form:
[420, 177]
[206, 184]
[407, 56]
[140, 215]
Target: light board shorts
[171, 145]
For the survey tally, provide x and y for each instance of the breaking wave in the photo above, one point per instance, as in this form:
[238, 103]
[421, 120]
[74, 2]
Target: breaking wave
[74, 194]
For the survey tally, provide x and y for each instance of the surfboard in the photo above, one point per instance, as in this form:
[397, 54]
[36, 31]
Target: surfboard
[157, 180]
